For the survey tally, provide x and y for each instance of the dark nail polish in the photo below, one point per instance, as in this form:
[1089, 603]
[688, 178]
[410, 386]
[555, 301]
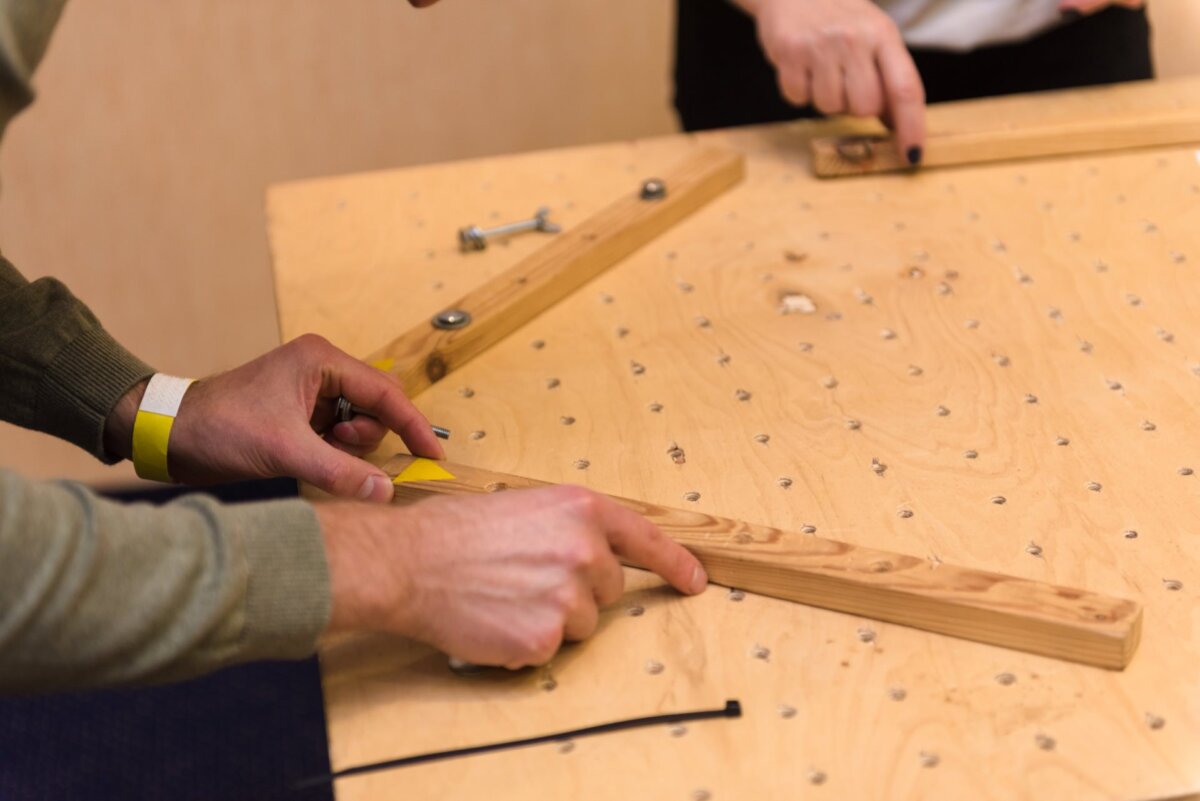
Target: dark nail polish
[914, 155]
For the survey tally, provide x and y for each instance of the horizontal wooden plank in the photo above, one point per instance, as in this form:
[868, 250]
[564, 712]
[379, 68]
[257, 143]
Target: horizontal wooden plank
[837, 156]
[993, 608]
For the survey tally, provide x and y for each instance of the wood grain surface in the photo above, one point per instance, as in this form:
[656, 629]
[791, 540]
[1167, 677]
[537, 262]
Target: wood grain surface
[991, 366]
[979, 605]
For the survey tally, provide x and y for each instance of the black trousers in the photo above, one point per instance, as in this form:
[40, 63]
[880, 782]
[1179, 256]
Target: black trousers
[723, 79]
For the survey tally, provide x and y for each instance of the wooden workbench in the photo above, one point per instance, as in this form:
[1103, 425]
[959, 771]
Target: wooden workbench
[1019, 345]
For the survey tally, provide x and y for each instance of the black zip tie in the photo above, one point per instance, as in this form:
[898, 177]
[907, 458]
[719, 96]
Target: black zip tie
[732, 709]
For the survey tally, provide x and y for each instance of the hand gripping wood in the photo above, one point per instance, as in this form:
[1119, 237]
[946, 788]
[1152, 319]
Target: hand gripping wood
[426, 354]
[992, 608]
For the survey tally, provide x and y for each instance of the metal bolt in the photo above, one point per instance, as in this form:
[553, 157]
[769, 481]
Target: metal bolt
[344, 411]
[475, 238]
[653, 189]
[451, 319]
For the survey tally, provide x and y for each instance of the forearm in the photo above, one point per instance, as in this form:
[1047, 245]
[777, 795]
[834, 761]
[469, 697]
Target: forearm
[94, 593]
[60, 371]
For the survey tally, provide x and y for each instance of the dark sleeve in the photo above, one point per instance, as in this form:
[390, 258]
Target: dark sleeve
[25, 28]
[60, 371]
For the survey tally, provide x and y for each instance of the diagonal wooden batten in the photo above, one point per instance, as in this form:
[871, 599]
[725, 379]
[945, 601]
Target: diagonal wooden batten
[993, 608]
[834, 157]
[425, 354]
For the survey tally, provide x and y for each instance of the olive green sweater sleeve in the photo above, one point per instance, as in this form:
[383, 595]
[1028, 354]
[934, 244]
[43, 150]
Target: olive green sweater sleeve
[96, 593]
[60, 371]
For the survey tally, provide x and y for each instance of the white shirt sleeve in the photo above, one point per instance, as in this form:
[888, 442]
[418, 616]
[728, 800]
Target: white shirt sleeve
[962, 25]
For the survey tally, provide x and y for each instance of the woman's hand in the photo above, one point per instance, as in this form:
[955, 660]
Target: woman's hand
[845, 57]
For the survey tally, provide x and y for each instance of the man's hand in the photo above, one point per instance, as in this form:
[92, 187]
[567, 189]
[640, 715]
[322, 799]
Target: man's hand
[497, 579]
[844, 56]
[275, 417]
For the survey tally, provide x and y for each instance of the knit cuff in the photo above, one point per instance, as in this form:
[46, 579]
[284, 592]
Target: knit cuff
[288, 594]
[81, 387]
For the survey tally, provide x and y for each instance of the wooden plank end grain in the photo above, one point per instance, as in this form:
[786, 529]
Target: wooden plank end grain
[993, 608]
[425, 354]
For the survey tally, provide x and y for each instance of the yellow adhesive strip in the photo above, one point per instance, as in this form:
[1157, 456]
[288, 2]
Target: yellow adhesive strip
[423, 470]
[384, 364]
[151, 432]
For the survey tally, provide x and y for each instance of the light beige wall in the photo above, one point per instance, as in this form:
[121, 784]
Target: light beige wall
[138, 175]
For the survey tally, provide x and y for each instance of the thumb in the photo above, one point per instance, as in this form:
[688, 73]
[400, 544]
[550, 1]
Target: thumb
[316, 461]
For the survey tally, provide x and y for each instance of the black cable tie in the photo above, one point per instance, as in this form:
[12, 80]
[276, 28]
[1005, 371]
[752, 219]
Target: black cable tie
[732, 709]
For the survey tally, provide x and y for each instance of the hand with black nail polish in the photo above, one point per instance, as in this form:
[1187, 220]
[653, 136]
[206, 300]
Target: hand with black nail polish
[844, 57]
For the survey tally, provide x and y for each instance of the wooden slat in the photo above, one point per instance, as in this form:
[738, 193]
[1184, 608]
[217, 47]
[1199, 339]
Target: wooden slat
[862, 155]
[425, 354]
[993, 608]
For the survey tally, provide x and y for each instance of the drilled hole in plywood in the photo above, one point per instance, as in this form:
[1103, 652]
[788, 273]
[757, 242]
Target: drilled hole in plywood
[676, 453]
[567, 420]
[762, 439]
[1094, 486]
[537, 344]
[654, 667]
[477, 434]
[1044, 742]
[552, 383]
[621, 332]
[808, 528]
[897, 693]
[703, 322]
[1185, 471]
[742, 395]
[852, 424]
[691, 496]
[915, 371]
[637, 368]
[784, 482]
[466, 392]
[735, 595]
[878, 467]
[655, 407]
[829, 382]
[496, 486]
[582, 464]
[1173, 585]
[1155, 722]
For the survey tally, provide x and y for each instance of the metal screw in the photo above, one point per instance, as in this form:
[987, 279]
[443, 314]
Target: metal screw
[653, 189]
[344, 411]
[451, 319]
[475, 238]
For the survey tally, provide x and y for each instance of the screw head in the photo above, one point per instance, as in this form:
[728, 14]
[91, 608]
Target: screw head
[653, 189]
[451, 319]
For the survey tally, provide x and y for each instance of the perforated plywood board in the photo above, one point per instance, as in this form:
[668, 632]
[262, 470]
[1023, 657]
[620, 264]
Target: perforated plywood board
[997, 367]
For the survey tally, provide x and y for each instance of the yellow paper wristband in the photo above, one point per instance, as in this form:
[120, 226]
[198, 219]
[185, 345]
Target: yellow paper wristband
[152, 426]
